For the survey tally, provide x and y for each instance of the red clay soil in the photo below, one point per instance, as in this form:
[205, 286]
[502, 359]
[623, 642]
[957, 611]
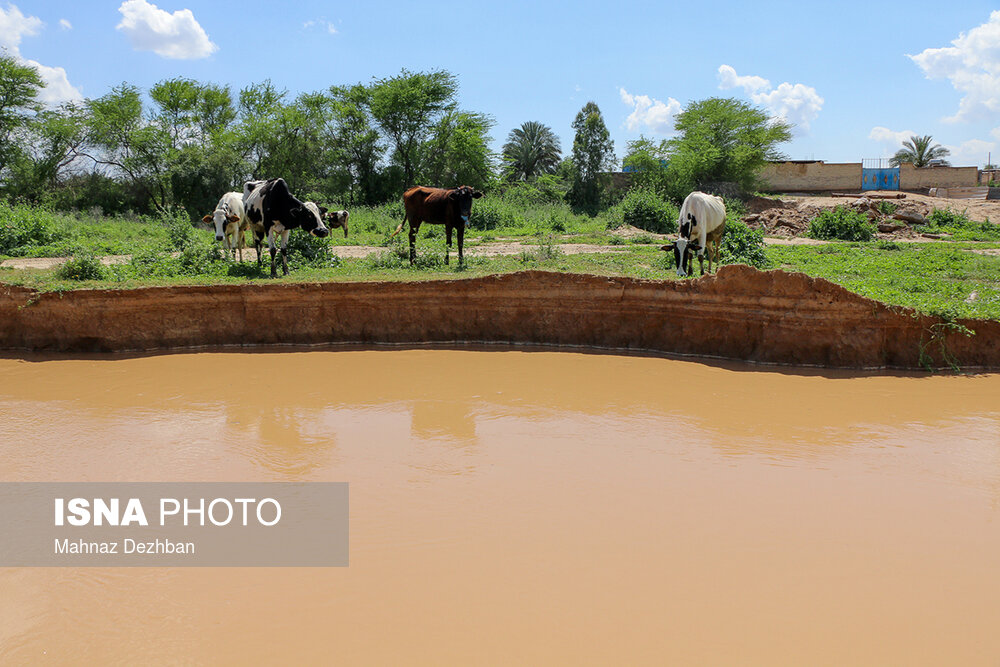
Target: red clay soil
[738, 313]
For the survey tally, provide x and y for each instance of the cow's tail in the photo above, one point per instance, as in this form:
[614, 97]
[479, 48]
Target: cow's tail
[398, 229]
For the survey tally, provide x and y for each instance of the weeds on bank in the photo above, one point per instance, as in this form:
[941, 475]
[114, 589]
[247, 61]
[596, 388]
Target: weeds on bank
[929, 277]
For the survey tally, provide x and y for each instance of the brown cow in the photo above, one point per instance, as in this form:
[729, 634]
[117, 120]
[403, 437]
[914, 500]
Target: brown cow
[438, 206]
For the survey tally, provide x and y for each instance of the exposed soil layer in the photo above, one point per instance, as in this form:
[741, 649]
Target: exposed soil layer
[738, 313]
[789, 216]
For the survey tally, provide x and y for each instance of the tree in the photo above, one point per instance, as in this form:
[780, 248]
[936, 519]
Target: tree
[48, 144]
[648, 163]
[355, 143]
[407, 107]
[593, 155]
[723, 140]
[19, 88]
[458, 152]
[919, 152]
[127, 143]
[531, 150]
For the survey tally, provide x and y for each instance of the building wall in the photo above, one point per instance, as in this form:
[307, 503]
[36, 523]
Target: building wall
[821, 176]
[811, 176]
[911, 178]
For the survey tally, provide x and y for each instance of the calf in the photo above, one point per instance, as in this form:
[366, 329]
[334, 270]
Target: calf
[438, 206]
[271, 210]
[702, 218]
[230, 221]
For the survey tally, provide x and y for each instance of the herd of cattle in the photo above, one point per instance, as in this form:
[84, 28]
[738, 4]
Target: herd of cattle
[268, 209]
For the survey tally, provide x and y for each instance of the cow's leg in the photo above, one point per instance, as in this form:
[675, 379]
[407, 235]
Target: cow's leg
[447, 245]
[284, 255]
[701, 263]
[414, 226]
[461, 242]
[270, 246]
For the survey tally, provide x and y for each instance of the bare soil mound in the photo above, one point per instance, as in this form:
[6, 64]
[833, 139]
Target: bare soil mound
[789, 215]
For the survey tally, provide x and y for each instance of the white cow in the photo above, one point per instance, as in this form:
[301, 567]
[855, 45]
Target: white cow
[230, 221]
[702, 224]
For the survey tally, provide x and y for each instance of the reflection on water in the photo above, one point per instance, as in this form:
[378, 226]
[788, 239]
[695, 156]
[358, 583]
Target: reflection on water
[513, 507]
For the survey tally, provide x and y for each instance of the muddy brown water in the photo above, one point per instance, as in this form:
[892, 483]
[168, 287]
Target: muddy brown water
[513, 507]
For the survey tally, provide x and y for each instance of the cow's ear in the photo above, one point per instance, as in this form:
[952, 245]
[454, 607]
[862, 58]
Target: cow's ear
[234, 218]
[476, 194]
[207, 218]
[322, 210]
[668, 248]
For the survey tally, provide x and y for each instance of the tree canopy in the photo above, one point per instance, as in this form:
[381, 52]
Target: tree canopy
[919, 151]
[723, 140]
[593, 156]
[531, 150]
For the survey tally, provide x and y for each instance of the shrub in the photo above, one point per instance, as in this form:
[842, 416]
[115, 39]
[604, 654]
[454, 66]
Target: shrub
[22, 227]
[841, 224]
[201, 257]
[646, 209]
[743, 245]
[82, 266]
[180, 231]
[490, 213]
[945, 218]
[886, 207]
[304, 249]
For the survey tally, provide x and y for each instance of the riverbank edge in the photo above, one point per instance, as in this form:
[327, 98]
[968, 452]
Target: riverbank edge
[739, 314]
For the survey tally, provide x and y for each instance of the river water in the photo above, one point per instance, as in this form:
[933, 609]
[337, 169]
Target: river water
[519, 507]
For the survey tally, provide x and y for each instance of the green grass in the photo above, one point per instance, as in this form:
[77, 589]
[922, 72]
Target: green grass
[930, 277]
[50, 234]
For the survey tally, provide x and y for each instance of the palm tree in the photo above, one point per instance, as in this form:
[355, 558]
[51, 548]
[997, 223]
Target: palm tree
[531, 150]
[919, 152]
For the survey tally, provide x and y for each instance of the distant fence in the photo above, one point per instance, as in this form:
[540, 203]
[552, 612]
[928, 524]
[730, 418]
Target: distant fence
[818, 176]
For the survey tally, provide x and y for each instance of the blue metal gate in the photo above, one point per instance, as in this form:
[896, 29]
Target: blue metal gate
[878, 175]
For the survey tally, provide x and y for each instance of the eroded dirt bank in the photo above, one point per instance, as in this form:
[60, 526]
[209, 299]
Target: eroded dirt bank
[739, 313]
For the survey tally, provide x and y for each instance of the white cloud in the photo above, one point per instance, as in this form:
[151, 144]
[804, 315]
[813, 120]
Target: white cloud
[321, 23]
[972, 153]
[890, 139]
[178, 35]
[972, 64]
[656, 115]
[729, 79]
[14, 26]
[57, 88]
[65, 25]
[797, 103]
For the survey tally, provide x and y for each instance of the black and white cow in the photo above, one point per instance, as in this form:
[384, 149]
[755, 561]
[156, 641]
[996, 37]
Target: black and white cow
[272, 210]
[230, 223]
[702, 223]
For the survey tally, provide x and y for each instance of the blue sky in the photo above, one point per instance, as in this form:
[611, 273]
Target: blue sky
[855, 78]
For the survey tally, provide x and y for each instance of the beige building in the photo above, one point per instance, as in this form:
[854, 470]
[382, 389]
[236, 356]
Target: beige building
[819, 176]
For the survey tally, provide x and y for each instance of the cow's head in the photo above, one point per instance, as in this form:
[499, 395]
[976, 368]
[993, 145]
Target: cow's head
[336, 219]
[683, 251]
[310, 218]
[220, 218]
[461, 198]
[683, 247]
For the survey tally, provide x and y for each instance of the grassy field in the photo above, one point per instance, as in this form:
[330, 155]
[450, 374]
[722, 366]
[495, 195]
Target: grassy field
[945, 278]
